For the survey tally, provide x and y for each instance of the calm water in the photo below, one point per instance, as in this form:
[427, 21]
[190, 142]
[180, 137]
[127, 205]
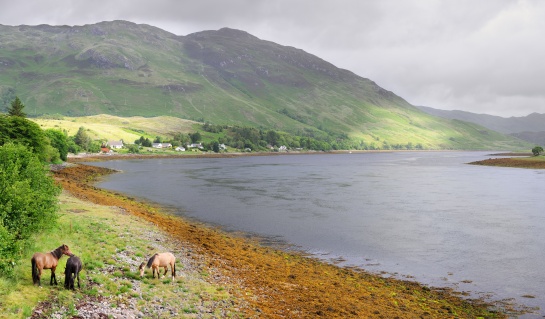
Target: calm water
[426, 215]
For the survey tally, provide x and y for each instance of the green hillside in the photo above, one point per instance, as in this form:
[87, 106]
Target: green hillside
[221, 77]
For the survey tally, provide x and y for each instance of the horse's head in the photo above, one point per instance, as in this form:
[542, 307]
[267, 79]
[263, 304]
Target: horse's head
[142, 268]
[65, 250]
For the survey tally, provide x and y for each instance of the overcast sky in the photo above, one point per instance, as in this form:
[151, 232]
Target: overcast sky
[485, 56]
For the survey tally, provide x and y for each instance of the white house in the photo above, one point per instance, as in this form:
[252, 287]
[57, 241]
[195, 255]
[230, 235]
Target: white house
[195, 145]
[180, 149]
[115, 144]
[161, 145]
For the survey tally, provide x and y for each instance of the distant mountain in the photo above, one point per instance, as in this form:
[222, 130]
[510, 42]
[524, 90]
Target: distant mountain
[534, 122]
[222, 77]
[530, 128]
[537, 138]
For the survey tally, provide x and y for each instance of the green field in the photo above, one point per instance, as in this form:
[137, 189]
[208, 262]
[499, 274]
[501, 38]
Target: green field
[109, 127]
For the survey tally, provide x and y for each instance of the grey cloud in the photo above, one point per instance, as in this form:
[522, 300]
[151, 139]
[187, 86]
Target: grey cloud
[480, 56]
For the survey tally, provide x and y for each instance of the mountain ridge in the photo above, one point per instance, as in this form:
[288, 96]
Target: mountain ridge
[226, 77]
[515, 124]
[530, 128]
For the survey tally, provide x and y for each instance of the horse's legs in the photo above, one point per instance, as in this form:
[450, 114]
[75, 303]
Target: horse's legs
[53, 277]
[72, 281]
[39, 276]
[166, 270]
[77, 275]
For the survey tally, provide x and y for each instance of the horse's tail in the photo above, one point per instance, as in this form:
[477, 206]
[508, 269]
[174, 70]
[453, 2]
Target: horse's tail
[150, 261]
[174, 269]
[34, 271]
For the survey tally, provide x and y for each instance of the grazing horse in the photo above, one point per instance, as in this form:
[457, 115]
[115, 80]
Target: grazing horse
[71, 272]
[160, 260]
[47, 261]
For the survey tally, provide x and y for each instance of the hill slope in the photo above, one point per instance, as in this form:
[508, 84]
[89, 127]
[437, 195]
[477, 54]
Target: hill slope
[515, 124]
[528, 128]
[222, 77]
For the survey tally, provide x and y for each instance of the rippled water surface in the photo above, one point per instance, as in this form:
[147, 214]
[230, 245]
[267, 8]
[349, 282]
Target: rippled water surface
[426, 215]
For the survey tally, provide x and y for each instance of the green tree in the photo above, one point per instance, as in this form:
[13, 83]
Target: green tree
[133, 148]
[73, 147]
[22, 131]
[82, 139]
[147, 142]
[28, 201]
[195, 137]
[272, 138]
[216, 146]
[537, 150]
[16, 108]
[59, 141]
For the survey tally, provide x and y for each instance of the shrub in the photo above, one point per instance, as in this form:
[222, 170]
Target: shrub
[28, 201]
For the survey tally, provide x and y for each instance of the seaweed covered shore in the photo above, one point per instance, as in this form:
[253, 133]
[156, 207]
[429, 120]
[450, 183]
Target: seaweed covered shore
[518, 162]
[276, 284]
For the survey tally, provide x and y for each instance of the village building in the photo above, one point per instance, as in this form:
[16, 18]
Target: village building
[115, 144]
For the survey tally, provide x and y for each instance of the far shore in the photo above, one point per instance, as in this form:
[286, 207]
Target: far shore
[95, 157]
[278, 284]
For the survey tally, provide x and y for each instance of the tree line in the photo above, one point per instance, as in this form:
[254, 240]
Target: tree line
[28, 194]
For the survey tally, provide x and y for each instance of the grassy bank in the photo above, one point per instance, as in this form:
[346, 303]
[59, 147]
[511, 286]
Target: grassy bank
[112, 243]
[221, 276]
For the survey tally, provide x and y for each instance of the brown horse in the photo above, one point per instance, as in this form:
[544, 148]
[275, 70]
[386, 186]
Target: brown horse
[160, 260]
[47, 261]
[71, 272]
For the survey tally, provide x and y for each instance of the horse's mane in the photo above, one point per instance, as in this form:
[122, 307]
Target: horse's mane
[57, 252]
[150, 261]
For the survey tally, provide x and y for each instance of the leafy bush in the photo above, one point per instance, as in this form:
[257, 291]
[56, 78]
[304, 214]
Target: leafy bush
[23, 131]
[58, 140]
[28, 201]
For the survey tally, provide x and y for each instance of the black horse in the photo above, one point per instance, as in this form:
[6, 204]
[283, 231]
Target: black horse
[71, 272]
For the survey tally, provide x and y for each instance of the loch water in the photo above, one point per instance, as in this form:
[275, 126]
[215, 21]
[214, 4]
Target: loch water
[424, 216]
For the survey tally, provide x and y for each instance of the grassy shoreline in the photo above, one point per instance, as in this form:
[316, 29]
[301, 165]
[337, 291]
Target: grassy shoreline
[112, 243]
[232, 276]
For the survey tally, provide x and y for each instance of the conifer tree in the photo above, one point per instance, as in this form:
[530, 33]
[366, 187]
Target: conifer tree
[16, 108]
